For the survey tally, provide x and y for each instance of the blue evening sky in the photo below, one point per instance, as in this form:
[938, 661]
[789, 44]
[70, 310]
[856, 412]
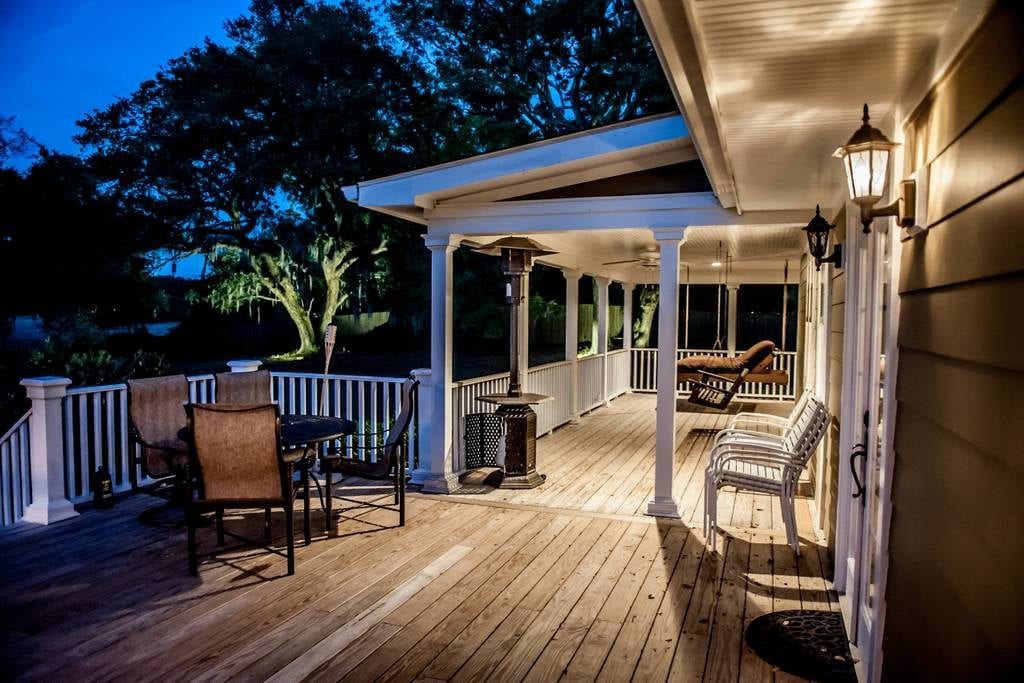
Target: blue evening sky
[60, 59]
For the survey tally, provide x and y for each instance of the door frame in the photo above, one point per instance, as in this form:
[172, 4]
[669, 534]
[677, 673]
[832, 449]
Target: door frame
[861, 378]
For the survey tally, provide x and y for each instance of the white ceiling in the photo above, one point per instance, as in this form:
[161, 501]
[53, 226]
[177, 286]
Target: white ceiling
[757, 253]
[785, 80]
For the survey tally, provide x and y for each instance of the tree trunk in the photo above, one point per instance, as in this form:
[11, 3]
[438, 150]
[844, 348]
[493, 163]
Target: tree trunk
[593, 320]
[277, 283]
[644, 322]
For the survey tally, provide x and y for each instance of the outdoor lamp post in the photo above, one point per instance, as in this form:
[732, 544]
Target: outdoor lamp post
[865, 159]
[818, 233]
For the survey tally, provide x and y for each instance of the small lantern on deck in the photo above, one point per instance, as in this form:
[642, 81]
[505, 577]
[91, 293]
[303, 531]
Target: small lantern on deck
[818, 232]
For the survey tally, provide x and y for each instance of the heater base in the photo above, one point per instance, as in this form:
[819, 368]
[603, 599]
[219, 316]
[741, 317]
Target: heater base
[522, 481]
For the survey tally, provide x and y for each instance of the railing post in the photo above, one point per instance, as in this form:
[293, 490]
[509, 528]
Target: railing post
[244, 365]
[46, 447]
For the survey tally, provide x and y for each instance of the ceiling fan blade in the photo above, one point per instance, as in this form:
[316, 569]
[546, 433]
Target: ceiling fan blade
[617, 263]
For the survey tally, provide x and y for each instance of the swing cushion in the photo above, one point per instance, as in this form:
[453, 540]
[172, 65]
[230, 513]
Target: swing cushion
[757, 359]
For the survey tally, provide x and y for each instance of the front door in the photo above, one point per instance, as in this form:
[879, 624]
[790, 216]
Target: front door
[866, 417]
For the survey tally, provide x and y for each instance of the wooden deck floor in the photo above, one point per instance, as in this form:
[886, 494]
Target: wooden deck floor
[469, 590]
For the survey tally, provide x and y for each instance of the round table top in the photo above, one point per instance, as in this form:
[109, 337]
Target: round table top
[306, 429]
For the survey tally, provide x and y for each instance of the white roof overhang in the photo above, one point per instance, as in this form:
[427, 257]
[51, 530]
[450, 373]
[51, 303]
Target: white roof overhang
[769, 89]
[560, 162]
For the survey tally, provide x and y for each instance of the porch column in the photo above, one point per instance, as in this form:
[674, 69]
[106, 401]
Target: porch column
[731, 340]
[602, 331]
[46, 448]
[627, 315]
[669, 240]
[572, 335]
[437, 419]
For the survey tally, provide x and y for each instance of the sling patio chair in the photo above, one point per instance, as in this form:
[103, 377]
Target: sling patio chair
[252, 388]
[238, 464]
[156, 416]
[379, 455]
[764, 467]
[243, 387]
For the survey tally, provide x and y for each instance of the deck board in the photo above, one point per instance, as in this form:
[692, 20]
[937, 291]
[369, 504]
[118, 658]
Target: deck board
[568, 581]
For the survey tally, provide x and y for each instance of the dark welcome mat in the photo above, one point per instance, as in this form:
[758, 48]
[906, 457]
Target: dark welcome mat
[807, 643]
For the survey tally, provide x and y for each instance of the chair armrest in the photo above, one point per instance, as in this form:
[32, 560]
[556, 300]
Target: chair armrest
[740, 451]
[758, 418]
[725, 434]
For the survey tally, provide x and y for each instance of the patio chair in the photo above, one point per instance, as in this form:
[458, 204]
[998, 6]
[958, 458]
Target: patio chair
[764, 467]
[380, 455]
[243, 387]
[156, 417]
[758, 427]
[237, 462]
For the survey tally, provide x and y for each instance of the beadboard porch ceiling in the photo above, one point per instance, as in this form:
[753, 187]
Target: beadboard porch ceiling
[769, 88]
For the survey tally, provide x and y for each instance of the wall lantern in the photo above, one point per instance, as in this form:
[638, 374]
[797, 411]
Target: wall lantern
[866, 161]
[818, 231]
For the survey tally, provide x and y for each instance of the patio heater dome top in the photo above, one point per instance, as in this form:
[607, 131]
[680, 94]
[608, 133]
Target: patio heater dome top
[515, 242]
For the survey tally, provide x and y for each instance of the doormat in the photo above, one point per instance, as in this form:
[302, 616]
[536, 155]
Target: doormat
[807, 643]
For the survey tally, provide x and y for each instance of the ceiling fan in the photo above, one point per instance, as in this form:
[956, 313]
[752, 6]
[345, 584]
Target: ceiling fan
[648, 258]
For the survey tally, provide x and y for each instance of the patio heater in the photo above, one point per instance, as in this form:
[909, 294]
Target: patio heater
[519, 419]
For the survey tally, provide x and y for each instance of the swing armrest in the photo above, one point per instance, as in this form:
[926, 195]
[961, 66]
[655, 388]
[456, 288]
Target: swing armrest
[710, 376]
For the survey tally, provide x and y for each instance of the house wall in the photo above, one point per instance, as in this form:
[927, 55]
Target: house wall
[836, 301]
[955, 594]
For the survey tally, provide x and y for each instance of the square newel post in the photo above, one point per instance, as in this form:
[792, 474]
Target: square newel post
[572, 335]
[733, 316]
[244, 365]
[627, 331]
[46, 448]
[437, 419]
[602, 331]
[664, 503]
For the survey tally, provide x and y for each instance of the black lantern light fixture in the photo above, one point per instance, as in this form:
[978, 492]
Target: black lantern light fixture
[818, 232]
[866, 159]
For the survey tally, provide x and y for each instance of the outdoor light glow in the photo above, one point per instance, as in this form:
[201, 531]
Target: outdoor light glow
[716, 264]
[866, 162]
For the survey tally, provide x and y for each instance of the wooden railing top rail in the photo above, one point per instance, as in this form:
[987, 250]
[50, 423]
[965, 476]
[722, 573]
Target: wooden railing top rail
[17, 425]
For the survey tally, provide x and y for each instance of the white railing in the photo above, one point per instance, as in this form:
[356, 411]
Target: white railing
[618, 372]
[16, 491]
[590, 386]
[96, 420]
[552, 379]
[644, 375]
[372, 403]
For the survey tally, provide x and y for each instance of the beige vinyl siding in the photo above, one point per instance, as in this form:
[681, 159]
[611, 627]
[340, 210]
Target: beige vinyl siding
[833, 458]
[955, 592]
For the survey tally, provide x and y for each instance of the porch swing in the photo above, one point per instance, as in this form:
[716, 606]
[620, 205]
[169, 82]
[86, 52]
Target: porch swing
[715, 380]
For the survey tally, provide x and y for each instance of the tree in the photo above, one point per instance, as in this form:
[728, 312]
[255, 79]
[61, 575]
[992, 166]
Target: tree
[643, 323]
[529, 69]
[241, 151]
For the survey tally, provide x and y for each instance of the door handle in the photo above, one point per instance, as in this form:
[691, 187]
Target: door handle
[858, 451]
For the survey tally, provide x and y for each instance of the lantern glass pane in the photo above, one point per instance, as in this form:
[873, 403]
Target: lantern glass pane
[860, 174]
[879, 164]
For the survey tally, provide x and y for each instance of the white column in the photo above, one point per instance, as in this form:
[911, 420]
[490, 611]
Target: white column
[437, 469]
[664, 503]
[731, 338]
[602, 331]
[572, 335]
[244, 365]
[627, 330]
[46, 447]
